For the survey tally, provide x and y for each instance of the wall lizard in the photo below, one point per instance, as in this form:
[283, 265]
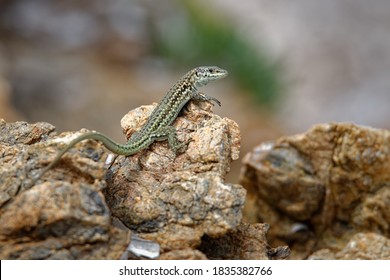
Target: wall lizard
[158, 126]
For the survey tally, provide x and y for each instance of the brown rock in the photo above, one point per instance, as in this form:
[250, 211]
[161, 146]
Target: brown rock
[55, 219]
[175, 199]
[366, 246]
[52, 221]
[16, 157]
[320, 188]
[172, 199]
[246, 242]
[362, 246]
[186, 254]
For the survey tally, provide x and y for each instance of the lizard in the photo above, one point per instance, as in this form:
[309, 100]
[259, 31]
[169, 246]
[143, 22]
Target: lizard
[158, 126]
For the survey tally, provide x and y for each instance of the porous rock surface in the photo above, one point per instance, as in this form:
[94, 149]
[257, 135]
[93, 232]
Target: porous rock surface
[179, 201]
[175, 199]
[56, 219]
[361, 246]
[322, 190]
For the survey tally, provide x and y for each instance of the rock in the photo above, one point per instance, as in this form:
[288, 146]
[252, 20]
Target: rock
[246, 242]
[322, 254]
[170, 199]
[366, 246]
[175, 199]
[320, 188]
[16, 158]
[185, 254]
[362, 246]
[143, 248]
[54, 219]
[59, 221]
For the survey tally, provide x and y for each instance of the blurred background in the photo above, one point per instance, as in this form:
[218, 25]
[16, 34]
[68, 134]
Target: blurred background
[292, 64]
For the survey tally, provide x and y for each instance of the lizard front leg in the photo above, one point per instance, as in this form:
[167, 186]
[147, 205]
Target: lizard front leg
[204, 97]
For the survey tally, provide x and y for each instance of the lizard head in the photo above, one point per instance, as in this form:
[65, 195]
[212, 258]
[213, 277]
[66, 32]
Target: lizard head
[204, 74]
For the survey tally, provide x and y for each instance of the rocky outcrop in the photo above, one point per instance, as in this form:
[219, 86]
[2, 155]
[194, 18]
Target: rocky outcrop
[321, 189]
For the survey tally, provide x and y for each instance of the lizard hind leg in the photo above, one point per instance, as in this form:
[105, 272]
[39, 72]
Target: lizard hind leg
[169, 133]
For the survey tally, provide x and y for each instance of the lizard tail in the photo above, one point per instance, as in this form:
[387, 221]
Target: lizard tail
[107, 142]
